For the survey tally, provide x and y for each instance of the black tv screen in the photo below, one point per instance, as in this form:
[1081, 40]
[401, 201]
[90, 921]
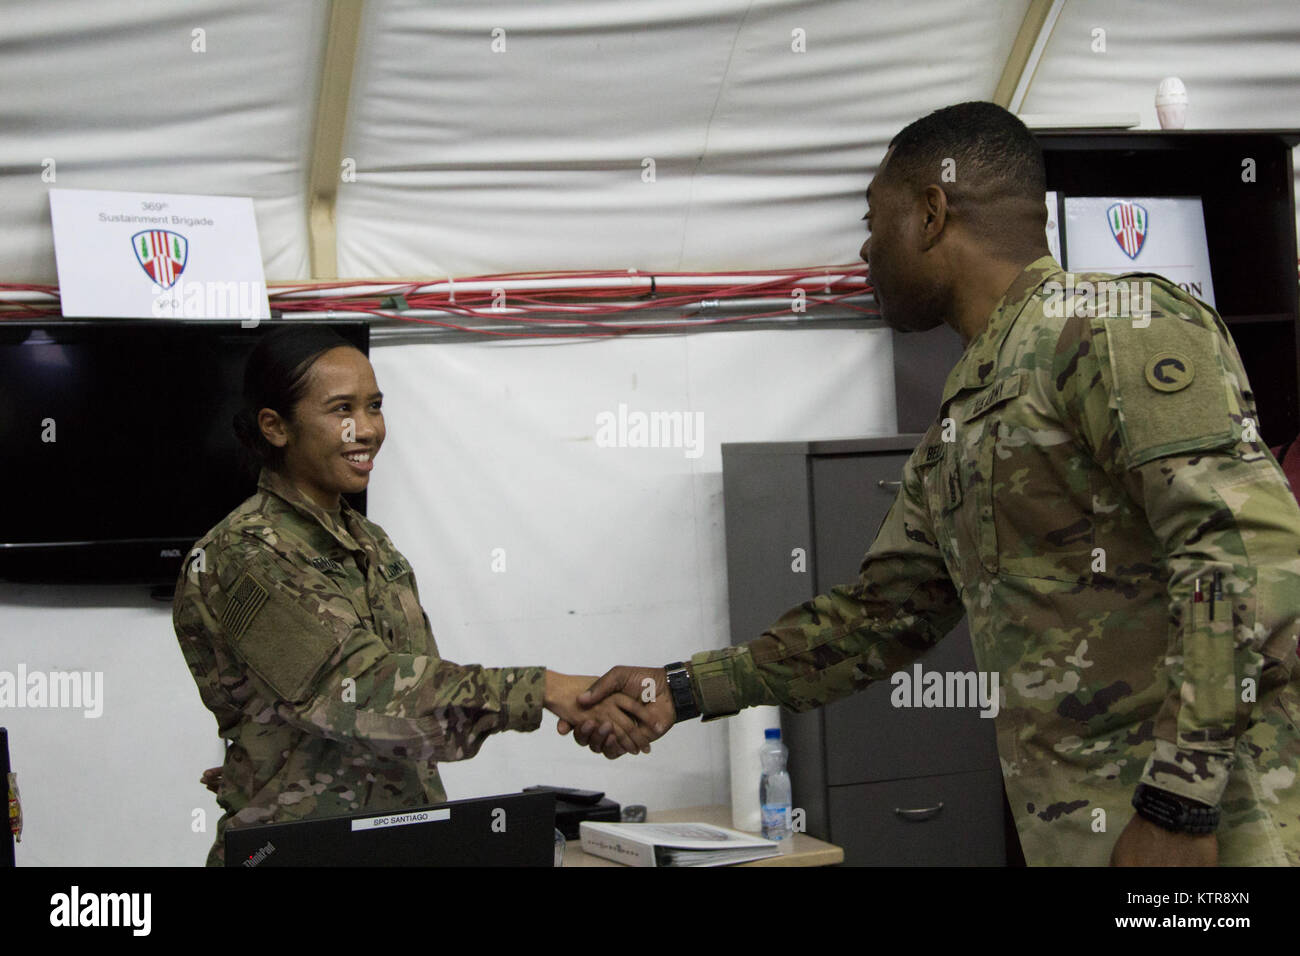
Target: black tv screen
[118, 448]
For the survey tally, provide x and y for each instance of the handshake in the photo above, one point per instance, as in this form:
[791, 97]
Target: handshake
[620, 713]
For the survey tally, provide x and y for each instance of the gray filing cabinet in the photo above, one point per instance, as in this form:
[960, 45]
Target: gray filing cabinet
[892, 786]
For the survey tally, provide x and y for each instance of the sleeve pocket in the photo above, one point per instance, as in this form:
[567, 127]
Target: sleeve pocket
[279, 641]
[1170, 387]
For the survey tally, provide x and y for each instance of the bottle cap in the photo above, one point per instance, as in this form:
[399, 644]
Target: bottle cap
[772, 733]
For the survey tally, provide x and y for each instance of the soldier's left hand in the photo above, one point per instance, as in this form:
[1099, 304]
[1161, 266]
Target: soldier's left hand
[1143, 843]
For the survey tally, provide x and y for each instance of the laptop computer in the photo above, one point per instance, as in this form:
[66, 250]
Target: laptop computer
[516, 829]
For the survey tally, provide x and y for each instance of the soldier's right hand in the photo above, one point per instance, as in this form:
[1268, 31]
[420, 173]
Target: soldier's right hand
[623, 719]
[649, 685]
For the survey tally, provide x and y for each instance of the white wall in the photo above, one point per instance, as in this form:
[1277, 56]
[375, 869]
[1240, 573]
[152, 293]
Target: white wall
[614, 555]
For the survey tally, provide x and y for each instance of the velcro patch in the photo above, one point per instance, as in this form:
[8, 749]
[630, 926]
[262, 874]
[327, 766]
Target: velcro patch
[716, 697]
[1170, 389]
[282, 642]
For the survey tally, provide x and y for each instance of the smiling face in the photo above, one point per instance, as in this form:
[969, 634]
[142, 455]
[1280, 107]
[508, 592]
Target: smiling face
[324, 456]
[902, 259]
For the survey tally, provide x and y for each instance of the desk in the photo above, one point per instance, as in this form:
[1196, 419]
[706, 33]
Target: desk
[803, 850]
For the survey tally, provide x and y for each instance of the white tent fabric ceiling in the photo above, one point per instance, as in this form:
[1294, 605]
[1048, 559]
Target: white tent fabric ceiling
[470, 161]
[473, 160]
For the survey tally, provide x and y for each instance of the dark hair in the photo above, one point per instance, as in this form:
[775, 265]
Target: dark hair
[275, 377]
[994, 156]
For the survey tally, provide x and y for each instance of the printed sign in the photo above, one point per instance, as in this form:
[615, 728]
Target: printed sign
[157, 255]
[1116, 234]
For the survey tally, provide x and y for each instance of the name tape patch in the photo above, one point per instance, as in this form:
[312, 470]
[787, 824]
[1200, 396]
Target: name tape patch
[1001, 390]
[394, 569]
[328, 565]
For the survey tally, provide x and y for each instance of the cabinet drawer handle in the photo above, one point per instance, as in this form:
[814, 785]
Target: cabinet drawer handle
[889, 484]
[918, 816]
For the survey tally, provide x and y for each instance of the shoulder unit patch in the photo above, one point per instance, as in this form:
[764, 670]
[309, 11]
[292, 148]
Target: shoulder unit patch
[1170, 371]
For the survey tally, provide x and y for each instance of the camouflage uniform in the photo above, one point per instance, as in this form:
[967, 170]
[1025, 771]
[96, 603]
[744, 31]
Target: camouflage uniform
[1097, 466]
[304, 632]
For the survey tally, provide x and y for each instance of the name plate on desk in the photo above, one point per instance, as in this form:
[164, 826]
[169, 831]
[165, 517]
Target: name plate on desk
[401, 819]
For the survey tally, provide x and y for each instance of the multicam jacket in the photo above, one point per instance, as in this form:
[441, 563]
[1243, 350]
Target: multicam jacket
[1088, 466]
[304, 632]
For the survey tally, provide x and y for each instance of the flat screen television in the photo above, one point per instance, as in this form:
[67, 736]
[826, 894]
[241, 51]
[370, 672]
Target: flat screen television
[118, 448]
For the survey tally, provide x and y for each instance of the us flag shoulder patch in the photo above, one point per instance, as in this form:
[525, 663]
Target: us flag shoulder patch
[245, 601]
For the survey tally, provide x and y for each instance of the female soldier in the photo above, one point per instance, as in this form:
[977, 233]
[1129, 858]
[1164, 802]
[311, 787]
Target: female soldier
[302, 625]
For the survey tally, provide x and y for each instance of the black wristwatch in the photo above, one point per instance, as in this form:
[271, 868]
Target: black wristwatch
[1174, 813]
[679, 685]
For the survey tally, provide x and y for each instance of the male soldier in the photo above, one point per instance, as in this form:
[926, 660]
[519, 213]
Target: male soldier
[1095, 497]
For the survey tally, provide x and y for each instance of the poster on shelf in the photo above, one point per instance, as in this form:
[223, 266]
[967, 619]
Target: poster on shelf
[1116, 234]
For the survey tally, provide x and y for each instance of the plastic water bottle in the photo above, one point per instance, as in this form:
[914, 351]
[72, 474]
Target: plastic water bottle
[774, 787]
